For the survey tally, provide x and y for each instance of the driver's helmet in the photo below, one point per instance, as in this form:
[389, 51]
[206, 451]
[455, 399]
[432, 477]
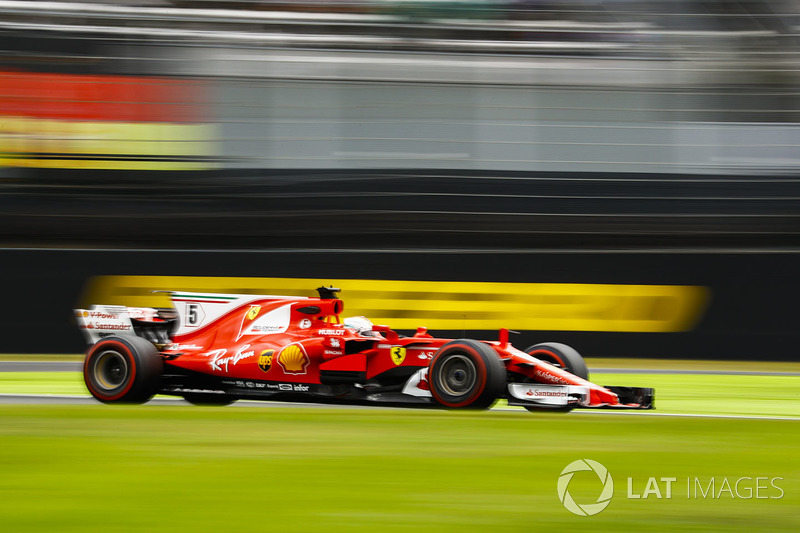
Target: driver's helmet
[360, 324]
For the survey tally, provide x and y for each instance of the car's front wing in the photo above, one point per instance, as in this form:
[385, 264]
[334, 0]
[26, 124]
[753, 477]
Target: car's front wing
[559, 397]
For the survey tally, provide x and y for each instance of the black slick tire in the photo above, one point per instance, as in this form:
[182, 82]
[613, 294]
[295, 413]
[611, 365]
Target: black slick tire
[562, 356]
[466, 374]
[122, 370]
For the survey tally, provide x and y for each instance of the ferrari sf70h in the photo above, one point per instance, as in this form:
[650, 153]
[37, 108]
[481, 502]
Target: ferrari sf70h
[214, 349]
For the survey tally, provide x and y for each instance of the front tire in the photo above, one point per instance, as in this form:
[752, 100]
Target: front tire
[122, 370]
[562, 356]
[466, 374]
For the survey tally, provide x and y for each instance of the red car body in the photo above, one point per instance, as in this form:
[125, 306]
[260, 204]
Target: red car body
[216, 348]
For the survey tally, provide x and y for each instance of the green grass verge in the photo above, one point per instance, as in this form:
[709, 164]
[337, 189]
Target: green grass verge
[695, 394]
[42, 383]
[715, 394]
[163, 468]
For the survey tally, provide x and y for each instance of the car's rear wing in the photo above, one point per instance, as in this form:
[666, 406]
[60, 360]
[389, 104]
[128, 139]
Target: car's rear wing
[154, 324]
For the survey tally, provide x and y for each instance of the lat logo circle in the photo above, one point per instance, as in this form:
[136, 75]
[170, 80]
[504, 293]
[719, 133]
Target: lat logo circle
[587, 509]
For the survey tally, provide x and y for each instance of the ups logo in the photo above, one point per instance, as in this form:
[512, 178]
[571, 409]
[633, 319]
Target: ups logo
[265, 360]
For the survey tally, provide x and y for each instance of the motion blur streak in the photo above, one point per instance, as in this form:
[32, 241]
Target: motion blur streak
[338, 99]
[450, 305]
[101, 122]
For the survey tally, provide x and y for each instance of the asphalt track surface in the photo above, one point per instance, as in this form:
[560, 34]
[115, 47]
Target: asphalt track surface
[35, 399]
[77, 366]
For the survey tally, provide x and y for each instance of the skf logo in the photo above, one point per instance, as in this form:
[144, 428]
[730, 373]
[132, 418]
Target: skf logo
[398, 354]
[265, 360]
[293, 359]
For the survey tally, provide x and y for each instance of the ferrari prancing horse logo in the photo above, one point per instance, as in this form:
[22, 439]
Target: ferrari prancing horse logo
[253, 312]
[247, 320]
[398, 354]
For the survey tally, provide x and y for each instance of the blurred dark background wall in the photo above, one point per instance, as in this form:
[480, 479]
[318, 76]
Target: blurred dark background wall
[748, 310]
[660, 131]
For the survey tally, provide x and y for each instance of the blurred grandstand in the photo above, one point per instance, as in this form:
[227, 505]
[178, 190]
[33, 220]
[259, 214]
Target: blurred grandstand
[527, 123]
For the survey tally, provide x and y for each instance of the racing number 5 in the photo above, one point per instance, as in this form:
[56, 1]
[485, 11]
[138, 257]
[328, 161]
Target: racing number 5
[191, 314]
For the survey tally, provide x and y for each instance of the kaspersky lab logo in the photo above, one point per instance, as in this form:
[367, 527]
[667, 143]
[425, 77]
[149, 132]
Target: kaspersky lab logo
[585, 509]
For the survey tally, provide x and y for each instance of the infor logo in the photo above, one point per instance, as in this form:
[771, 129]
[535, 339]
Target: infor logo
[587, 509]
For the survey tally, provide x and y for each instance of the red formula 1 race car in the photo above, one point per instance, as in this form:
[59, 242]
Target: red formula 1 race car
[216, 348]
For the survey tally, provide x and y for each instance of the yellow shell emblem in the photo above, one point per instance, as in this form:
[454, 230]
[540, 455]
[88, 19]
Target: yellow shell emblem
[265, 360]
[253, 312]
[293, 359]
[398, 354]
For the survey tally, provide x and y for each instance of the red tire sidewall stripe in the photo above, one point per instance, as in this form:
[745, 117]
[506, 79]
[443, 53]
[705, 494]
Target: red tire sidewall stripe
[551, 354]
[482, 375]
[122, 349]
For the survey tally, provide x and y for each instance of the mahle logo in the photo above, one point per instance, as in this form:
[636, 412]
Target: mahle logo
[586, 509]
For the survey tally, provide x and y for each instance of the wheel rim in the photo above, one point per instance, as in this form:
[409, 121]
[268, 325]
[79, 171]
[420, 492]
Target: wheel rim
[110, 370]
[458, 375]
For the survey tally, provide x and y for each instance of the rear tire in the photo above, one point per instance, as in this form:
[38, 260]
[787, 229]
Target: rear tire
[122, 370]
[466, 374]
[562, 356]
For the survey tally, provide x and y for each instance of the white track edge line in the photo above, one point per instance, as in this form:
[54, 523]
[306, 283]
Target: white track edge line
[501, 409]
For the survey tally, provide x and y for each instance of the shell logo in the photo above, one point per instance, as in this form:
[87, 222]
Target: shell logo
[293, 359]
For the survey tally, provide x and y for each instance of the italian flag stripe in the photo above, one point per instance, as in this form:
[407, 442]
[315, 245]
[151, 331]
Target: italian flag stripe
[203, 298]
